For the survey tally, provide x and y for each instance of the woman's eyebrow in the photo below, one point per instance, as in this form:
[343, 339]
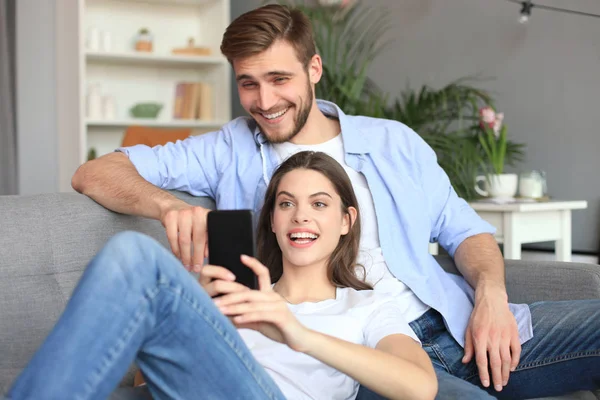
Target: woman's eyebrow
[284, 193]
[321, 194]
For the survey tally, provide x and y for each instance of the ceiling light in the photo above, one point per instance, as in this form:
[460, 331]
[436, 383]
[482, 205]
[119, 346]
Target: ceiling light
[525, 12]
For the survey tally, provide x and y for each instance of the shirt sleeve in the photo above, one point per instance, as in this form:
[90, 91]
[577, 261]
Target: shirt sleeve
[191, 165]
[452, 219]
[386, 319]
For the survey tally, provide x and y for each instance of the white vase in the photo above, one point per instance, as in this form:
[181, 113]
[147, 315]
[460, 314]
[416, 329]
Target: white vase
[94, 102]
[93, 39]
[499, 186]
[109, 108]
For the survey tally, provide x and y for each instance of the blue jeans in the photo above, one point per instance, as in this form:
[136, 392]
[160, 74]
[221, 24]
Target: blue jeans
[563, 356]
[136, 303]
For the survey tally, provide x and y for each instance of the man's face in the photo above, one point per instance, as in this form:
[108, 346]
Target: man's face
[277, 90]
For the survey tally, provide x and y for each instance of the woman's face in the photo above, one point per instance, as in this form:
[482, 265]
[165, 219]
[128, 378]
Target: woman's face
[307, 218]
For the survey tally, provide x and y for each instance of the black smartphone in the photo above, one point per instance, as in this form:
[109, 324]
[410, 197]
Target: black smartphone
[231, 234]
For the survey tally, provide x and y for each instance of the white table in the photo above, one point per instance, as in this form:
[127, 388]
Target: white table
[529, 222]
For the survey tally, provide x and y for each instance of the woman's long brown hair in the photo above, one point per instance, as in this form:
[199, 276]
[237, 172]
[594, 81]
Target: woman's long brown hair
[341, 268]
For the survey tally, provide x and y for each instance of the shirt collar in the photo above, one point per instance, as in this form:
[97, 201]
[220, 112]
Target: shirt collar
[354, 140]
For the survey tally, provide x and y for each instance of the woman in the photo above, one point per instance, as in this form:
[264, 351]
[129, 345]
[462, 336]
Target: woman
[316, 333]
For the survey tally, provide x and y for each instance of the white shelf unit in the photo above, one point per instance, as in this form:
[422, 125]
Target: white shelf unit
[131, 77]
[148, 59]
[154, 123]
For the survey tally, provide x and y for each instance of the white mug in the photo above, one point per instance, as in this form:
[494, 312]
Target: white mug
[497, 186]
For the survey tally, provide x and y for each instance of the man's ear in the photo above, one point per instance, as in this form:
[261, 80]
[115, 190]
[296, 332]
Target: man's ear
[315, 69]
[349, 219]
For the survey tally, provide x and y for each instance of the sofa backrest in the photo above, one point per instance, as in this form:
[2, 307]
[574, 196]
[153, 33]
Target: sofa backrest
[46, 241]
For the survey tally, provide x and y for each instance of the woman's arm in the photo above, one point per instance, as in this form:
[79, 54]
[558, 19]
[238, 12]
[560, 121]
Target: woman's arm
[397, 369]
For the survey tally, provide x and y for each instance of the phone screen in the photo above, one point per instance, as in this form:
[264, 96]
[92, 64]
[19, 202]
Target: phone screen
[231, 234]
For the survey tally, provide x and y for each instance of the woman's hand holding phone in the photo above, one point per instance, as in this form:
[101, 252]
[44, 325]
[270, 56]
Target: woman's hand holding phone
[217, 280]
[262, 310]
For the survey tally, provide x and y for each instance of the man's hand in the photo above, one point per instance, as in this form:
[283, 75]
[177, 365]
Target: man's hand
[186, 232]
[492, 331]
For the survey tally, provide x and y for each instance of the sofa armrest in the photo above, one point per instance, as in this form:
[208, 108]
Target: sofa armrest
[531, 281]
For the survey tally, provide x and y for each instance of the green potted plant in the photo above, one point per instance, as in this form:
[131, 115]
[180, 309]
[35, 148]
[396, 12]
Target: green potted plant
[492, 137]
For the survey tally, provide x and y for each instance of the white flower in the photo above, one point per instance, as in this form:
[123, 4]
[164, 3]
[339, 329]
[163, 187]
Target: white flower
[488, 116]
[498, 124]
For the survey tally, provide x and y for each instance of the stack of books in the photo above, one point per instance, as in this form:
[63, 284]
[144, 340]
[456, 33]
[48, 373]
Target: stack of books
[193, 100]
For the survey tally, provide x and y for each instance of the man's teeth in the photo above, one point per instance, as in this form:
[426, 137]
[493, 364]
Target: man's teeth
[303, 235]
[275, 115]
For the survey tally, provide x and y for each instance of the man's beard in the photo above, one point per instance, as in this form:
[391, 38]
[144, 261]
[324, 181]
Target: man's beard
[299, 120]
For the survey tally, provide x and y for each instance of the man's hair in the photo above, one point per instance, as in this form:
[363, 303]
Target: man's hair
[255, 31]
[342, 264]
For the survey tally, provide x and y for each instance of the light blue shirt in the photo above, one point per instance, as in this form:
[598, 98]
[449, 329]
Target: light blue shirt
[414, 200]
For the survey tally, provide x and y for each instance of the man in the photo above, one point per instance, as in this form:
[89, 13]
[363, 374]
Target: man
[474, 337]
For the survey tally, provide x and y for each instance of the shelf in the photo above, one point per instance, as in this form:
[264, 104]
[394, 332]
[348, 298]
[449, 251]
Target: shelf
[151, 59]
[123, 123]
[175, 2]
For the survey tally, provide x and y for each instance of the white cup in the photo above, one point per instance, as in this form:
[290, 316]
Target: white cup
[501, 186]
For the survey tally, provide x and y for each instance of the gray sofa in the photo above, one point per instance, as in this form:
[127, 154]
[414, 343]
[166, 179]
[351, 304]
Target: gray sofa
[46, 241]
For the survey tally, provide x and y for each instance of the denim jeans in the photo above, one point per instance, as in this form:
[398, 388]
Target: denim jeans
[563, 356]
[136, 303]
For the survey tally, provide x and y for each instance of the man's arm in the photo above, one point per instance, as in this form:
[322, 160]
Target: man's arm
[113, 181]
[491, 335]
[492, 331]
[480, 261]
[132, 184]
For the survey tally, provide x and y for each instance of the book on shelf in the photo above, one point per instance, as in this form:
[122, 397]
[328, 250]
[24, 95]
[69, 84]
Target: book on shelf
[193, 100]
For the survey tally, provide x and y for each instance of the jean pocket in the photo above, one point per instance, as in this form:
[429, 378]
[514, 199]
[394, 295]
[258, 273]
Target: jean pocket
[447, 355]
[436, 356]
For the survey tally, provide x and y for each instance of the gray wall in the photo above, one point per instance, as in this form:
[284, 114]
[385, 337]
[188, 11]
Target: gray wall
[546, 79]
[238, 7]
[47, 66]
[12, 42]
[36, 97]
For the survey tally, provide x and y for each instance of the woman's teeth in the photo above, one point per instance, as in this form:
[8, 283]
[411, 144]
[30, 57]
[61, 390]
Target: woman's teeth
[275, 115]
[303, 237]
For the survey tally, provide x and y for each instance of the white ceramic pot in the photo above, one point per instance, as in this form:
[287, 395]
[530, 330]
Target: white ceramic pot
[501, 186]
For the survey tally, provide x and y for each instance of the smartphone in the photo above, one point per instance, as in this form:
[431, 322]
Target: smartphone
[231, 234]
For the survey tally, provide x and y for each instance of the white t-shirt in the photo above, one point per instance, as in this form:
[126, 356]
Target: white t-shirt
[370, 255]
[362, 317]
